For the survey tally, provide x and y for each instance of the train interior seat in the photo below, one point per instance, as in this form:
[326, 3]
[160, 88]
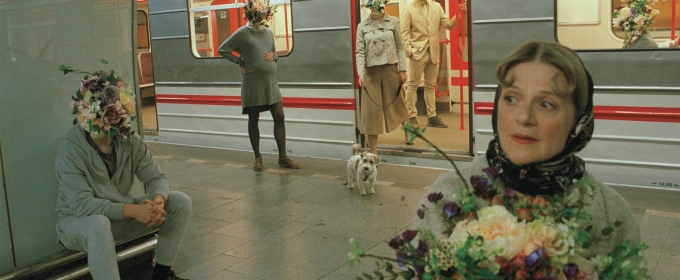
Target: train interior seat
[145, 74]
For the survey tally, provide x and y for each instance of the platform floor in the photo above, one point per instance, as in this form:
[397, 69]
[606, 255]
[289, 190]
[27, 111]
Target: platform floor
[295, 224]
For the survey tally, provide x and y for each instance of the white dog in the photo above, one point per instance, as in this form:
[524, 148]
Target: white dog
[362, 169]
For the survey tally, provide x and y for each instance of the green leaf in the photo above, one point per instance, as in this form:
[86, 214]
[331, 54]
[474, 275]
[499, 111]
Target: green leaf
[103, 61]
[589, 228]
[618, 223]
[607, 231]
[377, 273]
[368, 276]
[485, 274]
[586, 245]
[65, 69]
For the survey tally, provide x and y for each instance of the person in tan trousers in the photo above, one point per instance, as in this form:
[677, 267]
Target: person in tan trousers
[420, 23]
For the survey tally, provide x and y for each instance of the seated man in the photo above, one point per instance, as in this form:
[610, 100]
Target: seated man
[96, 165]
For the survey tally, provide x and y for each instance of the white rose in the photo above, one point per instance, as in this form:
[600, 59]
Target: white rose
[624, 13]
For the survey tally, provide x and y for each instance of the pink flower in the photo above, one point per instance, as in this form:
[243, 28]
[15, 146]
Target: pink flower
[109, 95]
[498, 227]
[112, 115]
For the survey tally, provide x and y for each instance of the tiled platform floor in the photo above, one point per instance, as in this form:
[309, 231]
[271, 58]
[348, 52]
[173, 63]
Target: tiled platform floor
[295, 224]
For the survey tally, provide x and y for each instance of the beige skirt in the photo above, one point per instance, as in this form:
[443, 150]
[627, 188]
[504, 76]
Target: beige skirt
[382, 100]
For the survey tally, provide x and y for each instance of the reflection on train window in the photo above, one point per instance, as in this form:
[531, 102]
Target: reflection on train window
[30, 33]
[214, 21]
[599, 24]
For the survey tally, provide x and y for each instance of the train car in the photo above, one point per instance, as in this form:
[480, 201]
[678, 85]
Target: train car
[637, 91]
[197, 92]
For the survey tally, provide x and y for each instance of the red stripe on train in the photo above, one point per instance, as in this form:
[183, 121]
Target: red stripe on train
[621, 113]
[288, 102]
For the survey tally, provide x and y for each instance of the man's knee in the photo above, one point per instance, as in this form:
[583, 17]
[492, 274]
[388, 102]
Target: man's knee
[98, 224]
[179, 202]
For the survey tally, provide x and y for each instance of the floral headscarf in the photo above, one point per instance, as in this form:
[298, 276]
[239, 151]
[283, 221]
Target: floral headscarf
[634, 17]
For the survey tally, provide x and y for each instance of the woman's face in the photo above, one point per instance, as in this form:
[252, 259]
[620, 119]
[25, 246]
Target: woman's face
[375, 13]
[533, 121]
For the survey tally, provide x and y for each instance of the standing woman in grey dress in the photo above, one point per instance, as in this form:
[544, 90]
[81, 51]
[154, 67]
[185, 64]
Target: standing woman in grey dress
[259, 89]
[381, 66]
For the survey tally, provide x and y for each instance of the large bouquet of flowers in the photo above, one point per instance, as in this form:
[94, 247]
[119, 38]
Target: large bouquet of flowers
[258, 10]
[633, 18]
[516, 237]
[104, 106]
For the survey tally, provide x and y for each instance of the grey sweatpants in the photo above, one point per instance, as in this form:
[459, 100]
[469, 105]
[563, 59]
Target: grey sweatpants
[97, 235]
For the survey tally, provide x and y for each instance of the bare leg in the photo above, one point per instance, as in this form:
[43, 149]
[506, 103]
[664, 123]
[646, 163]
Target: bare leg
[254, 130]
[373, 142]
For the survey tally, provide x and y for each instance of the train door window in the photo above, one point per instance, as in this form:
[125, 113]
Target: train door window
[212, 22]
[616, 24]
[142, 31]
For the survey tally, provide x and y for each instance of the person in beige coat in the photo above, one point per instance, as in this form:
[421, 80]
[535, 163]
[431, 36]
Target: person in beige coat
[381, 67]
[420, 23]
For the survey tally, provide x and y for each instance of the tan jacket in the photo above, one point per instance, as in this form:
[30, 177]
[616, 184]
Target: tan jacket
[419, 33]
[379, 43]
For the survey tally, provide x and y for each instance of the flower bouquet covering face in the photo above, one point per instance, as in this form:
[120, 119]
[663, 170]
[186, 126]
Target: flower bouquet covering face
[515, 236]
[634, 17]
[258, 11]
[377, 5]
[103, 105]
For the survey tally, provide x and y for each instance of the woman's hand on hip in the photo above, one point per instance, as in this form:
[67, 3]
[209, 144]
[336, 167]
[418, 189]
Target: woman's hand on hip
[403, 77]
[361, 81]
[269, 56]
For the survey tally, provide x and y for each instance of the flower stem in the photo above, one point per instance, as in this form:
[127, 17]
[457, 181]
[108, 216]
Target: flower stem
[378, 257]
[418, 133]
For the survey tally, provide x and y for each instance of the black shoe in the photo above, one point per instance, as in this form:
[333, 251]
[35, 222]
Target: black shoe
[170, 275]
[414, 122]
[436, 122]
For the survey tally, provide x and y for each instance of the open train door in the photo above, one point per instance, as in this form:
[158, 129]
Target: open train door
[147, 89]
[458, 90]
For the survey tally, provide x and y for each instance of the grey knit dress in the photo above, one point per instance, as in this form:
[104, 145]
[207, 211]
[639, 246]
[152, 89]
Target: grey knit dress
[258, 85]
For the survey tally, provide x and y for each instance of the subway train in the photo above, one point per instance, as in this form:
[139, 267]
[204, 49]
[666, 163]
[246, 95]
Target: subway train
[197, 93]
[189, 95]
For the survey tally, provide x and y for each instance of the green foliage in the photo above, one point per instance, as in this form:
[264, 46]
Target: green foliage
[626, 262]
[65, 69]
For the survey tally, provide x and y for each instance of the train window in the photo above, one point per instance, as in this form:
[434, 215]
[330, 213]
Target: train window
[142, 30]
[611, 24]
[212, 22]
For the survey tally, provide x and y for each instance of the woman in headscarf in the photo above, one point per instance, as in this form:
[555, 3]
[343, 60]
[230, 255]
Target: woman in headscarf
[543, 116]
